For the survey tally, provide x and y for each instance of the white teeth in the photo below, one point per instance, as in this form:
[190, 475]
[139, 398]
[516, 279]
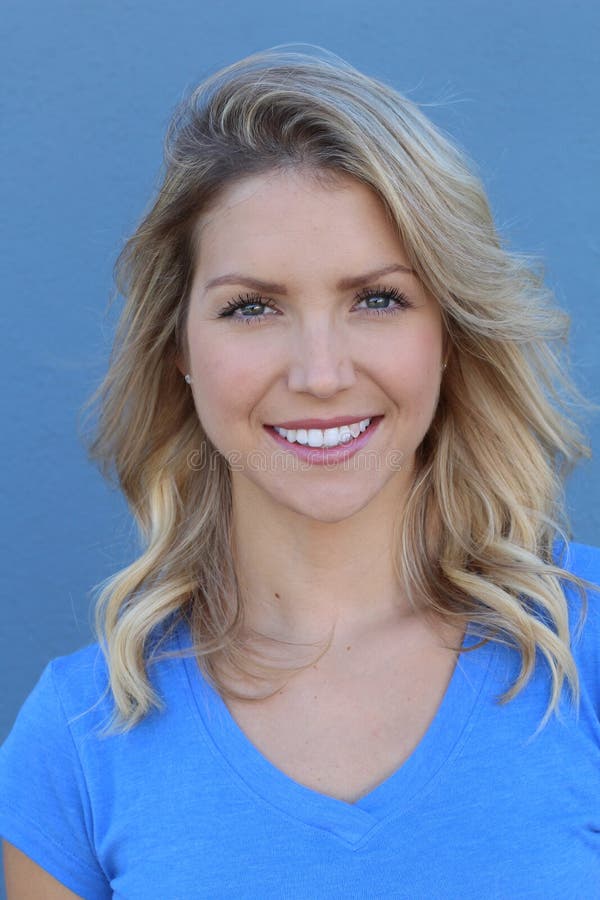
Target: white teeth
[330, 437]
[334, 436]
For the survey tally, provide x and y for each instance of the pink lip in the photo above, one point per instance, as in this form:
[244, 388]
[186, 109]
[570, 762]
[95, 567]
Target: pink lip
[323, 423]
[321, 455]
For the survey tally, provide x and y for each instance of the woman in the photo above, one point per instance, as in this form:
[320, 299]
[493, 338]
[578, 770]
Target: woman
[335, 410]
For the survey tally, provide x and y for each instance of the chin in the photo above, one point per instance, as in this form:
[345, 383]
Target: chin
[325, 508]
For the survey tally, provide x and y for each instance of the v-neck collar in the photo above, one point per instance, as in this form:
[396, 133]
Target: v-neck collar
[351, 822]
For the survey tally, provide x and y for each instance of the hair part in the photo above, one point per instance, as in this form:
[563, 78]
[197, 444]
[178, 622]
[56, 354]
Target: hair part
[475, 542]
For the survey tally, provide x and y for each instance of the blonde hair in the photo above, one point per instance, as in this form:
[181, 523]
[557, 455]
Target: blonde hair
[475, 542]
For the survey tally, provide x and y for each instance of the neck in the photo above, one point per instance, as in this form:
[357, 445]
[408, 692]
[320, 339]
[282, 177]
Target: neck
[301, 577]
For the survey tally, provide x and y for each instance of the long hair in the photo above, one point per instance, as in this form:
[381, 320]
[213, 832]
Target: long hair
[485, 509]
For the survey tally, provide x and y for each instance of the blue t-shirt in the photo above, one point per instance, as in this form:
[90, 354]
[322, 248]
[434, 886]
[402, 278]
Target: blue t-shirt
[185, 806]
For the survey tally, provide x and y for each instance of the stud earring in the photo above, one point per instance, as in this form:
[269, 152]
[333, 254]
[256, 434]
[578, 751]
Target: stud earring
[188, 378]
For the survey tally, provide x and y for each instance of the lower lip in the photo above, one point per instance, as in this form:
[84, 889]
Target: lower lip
[321, 455]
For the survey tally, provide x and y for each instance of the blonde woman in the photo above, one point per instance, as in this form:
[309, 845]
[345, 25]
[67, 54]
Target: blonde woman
[354, 658]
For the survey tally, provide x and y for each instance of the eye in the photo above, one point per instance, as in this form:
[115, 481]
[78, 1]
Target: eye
[400, 302]
[394, 302]
[243, 301]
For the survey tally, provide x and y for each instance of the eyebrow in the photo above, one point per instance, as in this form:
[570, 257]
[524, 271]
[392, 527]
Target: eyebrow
[344, 284]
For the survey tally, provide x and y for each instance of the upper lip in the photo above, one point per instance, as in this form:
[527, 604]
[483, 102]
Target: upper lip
[324, 423]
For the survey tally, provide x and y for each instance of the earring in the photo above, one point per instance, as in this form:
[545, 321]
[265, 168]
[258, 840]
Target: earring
[444, 367]
[188, 378]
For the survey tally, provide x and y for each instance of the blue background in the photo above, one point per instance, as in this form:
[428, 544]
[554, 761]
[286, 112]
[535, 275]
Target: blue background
[88, 89]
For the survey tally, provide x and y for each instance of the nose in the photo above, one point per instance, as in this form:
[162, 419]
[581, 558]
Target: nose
[321, 361]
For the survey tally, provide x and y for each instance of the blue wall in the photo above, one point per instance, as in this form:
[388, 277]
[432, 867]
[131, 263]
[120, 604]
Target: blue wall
[89, 88]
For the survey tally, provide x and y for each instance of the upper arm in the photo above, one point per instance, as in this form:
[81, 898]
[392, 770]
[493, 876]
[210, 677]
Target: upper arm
[25, 880]
[45, 806]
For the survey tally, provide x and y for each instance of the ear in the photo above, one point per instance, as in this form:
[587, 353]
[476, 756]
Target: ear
[181, 363]
[446, 349]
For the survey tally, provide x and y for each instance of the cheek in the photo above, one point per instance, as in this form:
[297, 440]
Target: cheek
[418, 357]
[414, 369]
[225, 381]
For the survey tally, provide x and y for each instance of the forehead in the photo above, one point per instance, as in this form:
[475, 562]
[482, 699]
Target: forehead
[292, 211]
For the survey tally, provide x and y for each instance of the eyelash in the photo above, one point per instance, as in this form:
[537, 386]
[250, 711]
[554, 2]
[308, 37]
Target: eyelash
[366, 294]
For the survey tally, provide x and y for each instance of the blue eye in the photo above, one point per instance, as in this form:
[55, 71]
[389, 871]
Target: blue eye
[243, 301]
[400, 301]
[247, 301]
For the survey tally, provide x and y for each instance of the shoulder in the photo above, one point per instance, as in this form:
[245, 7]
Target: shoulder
[77, 668]
[70, 690]
[80, 681]
[583, 560]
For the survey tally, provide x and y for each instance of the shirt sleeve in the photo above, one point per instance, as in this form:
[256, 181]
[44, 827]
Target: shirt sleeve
[44, 803]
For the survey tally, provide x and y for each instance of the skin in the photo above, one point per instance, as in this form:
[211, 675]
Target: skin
[25, 880]
[313, 545]
[307, 541]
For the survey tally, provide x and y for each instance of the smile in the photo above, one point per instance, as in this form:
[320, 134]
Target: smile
[330, 445]
[328, 437]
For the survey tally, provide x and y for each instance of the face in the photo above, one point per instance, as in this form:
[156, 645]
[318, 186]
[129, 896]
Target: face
[311, 345]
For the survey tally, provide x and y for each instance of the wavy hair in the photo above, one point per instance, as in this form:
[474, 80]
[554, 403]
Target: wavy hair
[476, 539]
